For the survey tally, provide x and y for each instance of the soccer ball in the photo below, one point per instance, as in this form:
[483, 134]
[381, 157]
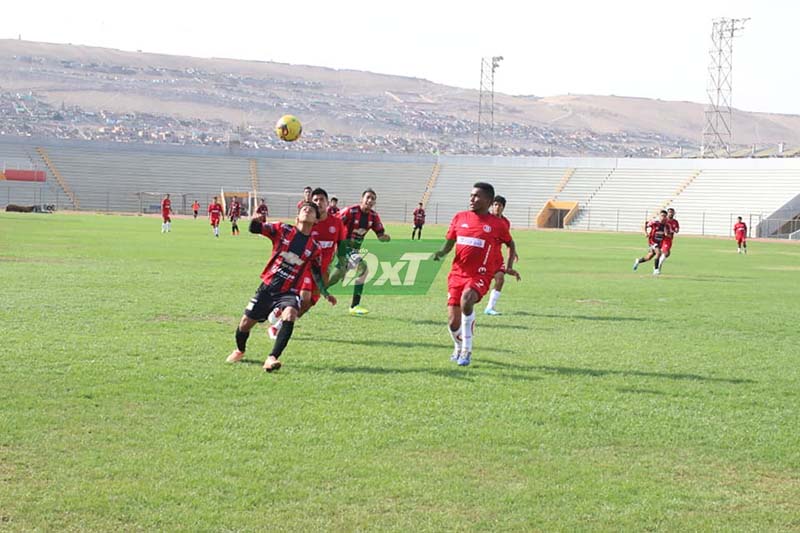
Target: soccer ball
[288, 128]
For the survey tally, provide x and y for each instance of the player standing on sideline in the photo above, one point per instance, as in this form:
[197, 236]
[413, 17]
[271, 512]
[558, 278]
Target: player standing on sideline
[358, 220]
[655, 231]
[262, 211]
[295, 257]
[166, 211]
[666, 243]
[498, 206]
[333, 207]
[475, 234]
[329, 232]
[195, 208]
[215, 212]
[740, 232]
[306, 196]
[419, 221]
[234, 213]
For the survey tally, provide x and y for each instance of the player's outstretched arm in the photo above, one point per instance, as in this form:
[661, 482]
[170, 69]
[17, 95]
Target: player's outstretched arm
[448, 245]
[316, 273]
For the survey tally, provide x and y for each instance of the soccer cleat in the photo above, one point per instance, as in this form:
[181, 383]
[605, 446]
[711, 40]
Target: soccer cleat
[635, 264]
[274, 316]
[455, 356]
[358, 311]
[657, 272]
[491, 312]
[464, 359]
[271, 364]
[272, 331]
[235, 357]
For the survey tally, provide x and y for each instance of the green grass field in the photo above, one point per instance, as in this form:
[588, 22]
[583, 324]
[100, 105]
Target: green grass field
[603, 400]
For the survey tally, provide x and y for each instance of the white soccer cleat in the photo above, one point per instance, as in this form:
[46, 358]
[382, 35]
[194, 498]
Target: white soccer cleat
[635, 264]
[657, 272]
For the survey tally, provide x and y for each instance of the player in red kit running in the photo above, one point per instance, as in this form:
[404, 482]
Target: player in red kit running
[166, 211]
[740, 232]
[195, 208]
[358, 220]
[329, 232]
[666, 243]
[498, 206]
[215, 212]
[262, 211]
[306, 196]
[419, 221]
[475, 234]
[333, 206]
[655, 230]
[295, 257]
[234, 213]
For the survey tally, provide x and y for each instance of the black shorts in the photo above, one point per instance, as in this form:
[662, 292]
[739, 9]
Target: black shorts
[418, 226]
[263, 302]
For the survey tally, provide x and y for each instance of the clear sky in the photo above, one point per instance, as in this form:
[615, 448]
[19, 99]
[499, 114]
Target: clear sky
[623, 47]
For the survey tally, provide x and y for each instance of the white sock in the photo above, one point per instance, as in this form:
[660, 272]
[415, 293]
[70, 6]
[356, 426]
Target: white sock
[162, 227]
[456, 336]
[661, 261]
[493, 297]
[168, 226]
[216, 230]
[467, 328]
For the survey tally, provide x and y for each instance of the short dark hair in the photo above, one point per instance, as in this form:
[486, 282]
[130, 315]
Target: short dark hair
[369, 190]
[320, 190]
[671, 209]
[485, 187]
[500, 200]
[334, 199]
[740, 218]
[664, 212]
[307, 188]
[420, 203]
[312, 204]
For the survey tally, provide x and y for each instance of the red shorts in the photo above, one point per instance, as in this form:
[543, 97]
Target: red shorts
[166, 218]
[740, 239]
[215, 221]
[457, 284]
[666, 246]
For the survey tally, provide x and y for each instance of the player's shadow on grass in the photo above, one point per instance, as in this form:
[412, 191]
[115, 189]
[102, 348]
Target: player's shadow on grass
[492, 324]
[467, 374]
[595, 372]
[581, 317]
[382, 343]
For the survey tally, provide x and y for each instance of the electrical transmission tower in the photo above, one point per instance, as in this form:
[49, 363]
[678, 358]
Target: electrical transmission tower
[717, 132]
[486, 99]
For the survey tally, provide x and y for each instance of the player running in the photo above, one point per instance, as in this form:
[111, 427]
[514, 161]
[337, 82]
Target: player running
[166, 211]
[419, 221]
[740, 233]
[215, 212]
[329, 232]
[655, 231]
[358, 220]
[498, 206]
[295, 257]
[475, 234]
[195, 208]
[262, 211]
[234, 213]
[666, 243]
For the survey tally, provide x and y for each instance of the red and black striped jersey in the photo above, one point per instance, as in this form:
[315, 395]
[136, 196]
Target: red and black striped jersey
[419, 216]
[332, 209]
[293, 256]
[235, 210]
[657, 230]
[263, 210]
[357, 223]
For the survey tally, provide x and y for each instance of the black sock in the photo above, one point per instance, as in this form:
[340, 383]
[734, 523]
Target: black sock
[283, 339]
[241, 339]
[358, 290]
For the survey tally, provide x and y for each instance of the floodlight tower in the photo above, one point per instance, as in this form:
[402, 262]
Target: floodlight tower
[486, 99]
[717, 132]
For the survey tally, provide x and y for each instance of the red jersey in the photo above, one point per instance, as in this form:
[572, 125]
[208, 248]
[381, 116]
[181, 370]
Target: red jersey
[262, 210]
[358, 223]
[235, 210]
[477, 237]
[195, 207]
[497, 254]
[674, 228]
[215, 210]
[740, 230]
[657, 230]
[332, 209]
[419, 216]
[166, 206]
[328, 233]
[293, 255]
[301, 202]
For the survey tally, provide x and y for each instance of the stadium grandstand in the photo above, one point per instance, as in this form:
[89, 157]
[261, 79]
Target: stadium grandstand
[597, 193]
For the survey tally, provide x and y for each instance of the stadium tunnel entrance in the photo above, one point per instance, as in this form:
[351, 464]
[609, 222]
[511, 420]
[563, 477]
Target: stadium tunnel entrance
[556, 214]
